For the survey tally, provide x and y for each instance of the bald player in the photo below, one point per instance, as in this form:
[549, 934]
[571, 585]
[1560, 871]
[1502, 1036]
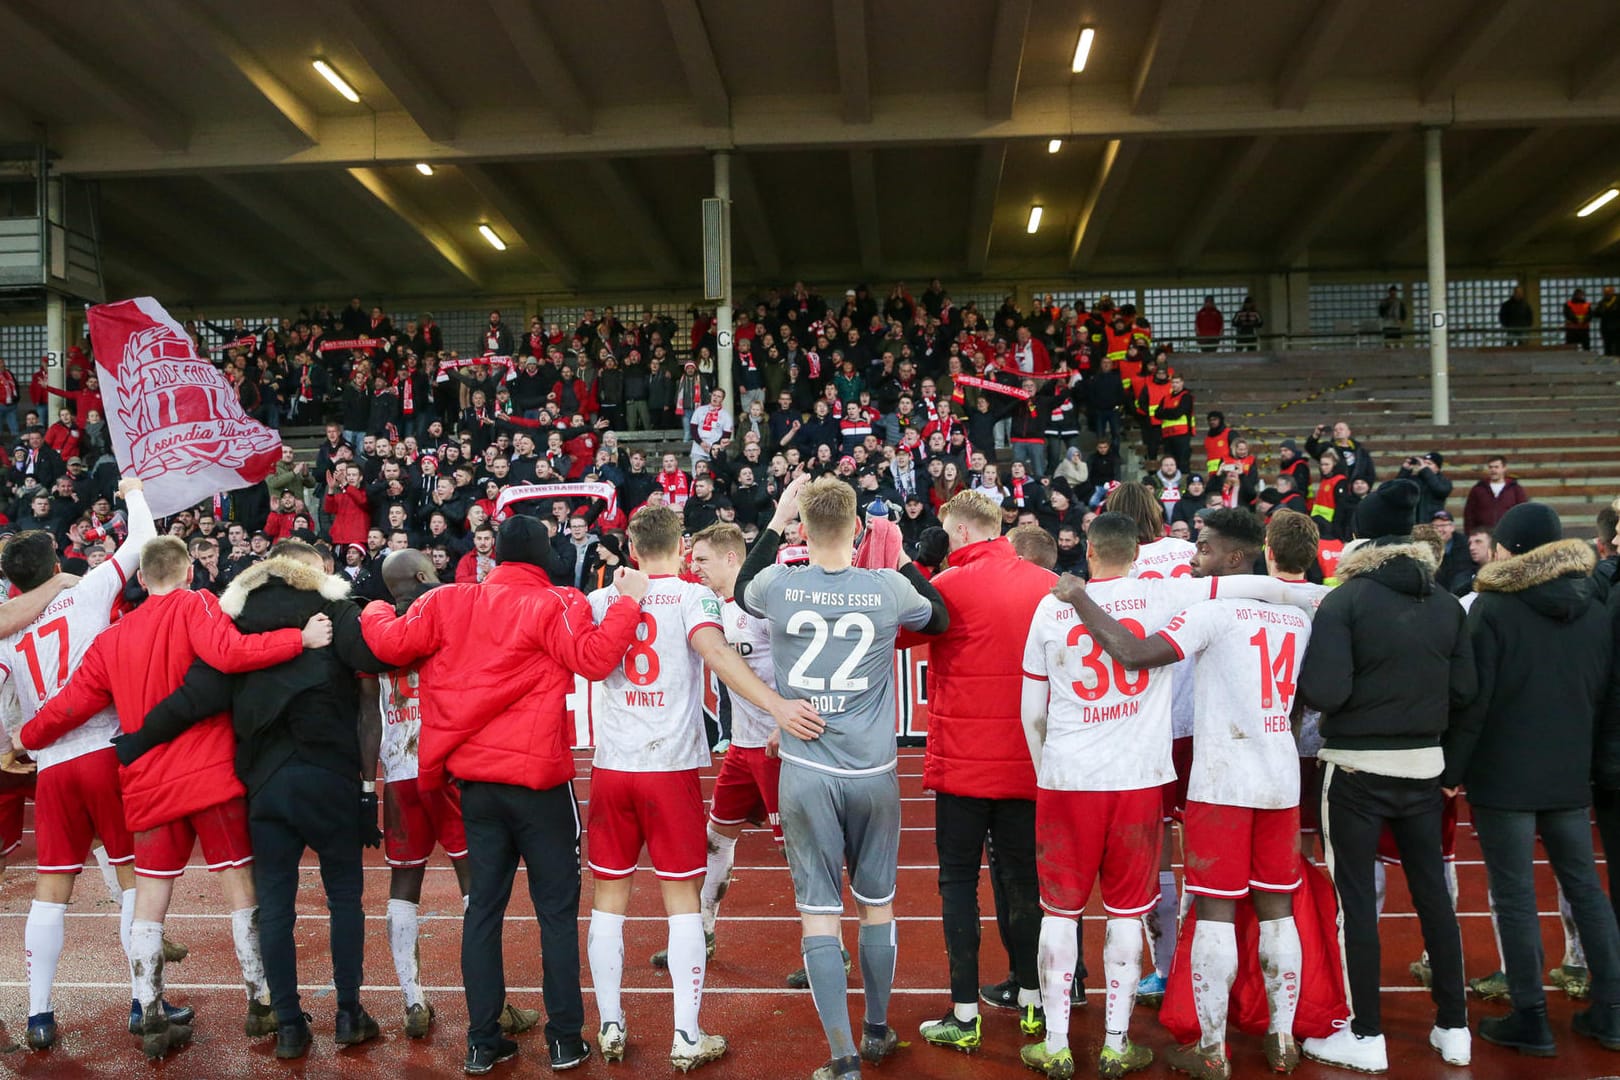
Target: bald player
[415, 820]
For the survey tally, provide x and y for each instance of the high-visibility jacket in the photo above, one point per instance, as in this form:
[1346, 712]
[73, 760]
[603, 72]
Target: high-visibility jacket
[1216, 447]
[1119, 342]
[1328, 553]
[1151, 397]
[1176, 414]
[1326, 503]
[1577, 314]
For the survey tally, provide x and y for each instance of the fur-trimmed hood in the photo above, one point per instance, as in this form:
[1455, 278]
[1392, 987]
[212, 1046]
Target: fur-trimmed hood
[289, 571]
[1553, 579]
[1405, 567]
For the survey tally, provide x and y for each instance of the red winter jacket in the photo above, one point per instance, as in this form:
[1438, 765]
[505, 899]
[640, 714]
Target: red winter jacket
[500, 657]
[351, 515]
[976, 745]
[139, 661]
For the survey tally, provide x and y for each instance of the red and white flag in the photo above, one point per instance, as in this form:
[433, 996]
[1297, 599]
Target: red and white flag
[174, 420]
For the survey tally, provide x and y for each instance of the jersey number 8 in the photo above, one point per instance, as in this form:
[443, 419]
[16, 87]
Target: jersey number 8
[641, 662]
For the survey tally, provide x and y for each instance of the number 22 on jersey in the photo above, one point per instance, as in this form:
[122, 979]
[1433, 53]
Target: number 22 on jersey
[28, 644]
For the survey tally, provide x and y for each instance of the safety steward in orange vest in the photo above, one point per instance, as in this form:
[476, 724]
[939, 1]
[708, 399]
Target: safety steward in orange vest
[1176, 422]
[1149, 397]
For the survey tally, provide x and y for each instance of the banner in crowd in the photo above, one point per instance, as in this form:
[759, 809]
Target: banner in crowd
[910, 699]
[490, 360]
[174, 420]
[587, 490]
[352, 343]
[994, 387]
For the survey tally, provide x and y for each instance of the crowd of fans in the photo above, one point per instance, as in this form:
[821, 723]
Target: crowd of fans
[908, 399]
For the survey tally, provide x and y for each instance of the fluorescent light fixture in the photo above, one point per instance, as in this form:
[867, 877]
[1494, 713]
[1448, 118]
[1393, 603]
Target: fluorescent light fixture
[494, 239]
[1054, 146]
[1034, 218]
[1082, 50]
[424, 168]
[338, 82]
[1598, 203]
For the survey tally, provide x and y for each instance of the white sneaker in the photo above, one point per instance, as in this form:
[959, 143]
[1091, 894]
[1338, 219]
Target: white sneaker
[687, 1055]
[1454, 1045]
[611, 1041]
[1347, 1050]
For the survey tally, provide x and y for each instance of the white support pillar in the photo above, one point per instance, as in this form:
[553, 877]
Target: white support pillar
[1435, 225]
[56, 345]
[723, 319]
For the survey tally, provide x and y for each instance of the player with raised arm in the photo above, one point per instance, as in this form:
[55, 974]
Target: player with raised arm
[833, 630]
[1242, 820]
[77, 795]
[1099, 733]
[644, 778]
[746, 788]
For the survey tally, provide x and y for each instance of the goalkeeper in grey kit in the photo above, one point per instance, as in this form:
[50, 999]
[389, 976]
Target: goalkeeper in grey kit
[833, 628]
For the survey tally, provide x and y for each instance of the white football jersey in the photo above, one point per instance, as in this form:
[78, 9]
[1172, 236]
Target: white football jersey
[399, 694]
[648, 712]
[751, 637]
[1171, 558]
[38, 661]
[1107, 727]
[1249, 658]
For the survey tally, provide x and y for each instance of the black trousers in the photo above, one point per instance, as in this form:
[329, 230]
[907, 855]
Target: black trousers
[307, 806]
[1180, 448]
[1606, 809]
[1355, 808]
[505, 823]
[962, 828]
[1507, 840]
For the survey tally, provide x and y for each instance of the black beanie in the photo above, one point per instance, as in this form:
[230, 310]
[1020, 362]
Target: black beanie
[1389, 511]
[522, 539]
[1528, 526]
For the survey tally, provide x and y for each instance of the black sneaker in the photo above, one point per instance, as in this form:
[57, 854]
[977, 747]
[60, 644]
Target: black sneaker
[1001, 995]
[42, 1031]
[355, 1026]
[176, 1014]
[292, 1040]
[481, 1059]
[569, 1052]
[1600, 1022]
[1524, 1030]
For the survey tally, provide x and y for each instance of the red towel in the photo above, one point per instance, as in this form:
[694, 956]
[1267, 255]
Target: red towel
[880, 547]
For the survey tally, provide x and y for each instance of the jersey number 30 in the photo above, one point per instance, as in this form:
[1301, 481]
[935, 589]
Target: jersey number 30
[1128, 683]
[850, 625]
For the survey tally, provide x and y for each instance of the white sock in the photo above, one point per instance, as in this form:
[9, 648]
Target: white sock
[1496, 931]
[1380, 883]
[1122, 969]
[466, 901]
[965, 1013]
[109, 876]
[126, 915]
[1214, 968]
[42, 938]
[1161, 925]
[402, 928]
[146, 961]
[604, 945]
[245, 936]
[688, 957]
[1058, 953]
[1281, 957]
[1026, 996]
[722, 854]
[1448, 868]
[1574, 952]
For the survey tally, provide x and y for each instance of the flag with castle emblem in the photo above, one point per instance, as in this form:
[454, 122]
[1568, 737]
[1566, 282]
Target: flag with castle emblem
[175, 420]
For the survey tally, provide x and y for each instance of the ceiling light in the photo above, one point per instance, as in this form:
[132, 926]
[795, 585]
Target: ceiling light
[424, 168]
[1054, 146]
[494, 239]
[337, 81]
[1598, 203]
[1082, 50]
[1034, 218]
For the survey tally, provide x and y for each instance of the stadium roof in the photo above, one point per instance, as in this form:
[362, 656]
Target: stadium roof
[876, 139]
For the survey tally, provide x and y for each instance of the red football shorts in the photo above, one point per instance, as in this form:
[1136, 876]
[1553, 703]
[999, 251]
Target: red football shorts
[662, 811]
[745, 790]
[75, 802]
[14, 790]
[1310, 795]
[1175, 792]
[1390, 855]
[1233, 849]
[1083, 835]
[221, 830]
[414, 820]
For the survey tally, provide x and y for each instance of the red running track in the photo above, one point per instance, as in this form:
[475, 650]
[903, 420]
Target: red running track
[773, 1031]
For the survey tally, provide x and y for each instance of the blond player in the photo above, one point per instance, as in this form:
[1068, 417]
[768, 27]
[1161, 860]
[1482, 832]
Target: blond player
[644, 779]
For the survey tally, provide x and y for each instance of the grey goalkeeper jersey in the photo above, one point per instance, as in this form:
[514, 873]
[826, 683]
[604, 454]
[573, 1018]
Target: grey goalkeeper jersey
[832, 644]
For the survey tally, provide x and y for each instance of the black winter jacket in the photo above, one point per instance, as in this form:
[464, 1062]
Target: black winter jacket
[307, 708]
[1544, 642]
[1390, 657]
